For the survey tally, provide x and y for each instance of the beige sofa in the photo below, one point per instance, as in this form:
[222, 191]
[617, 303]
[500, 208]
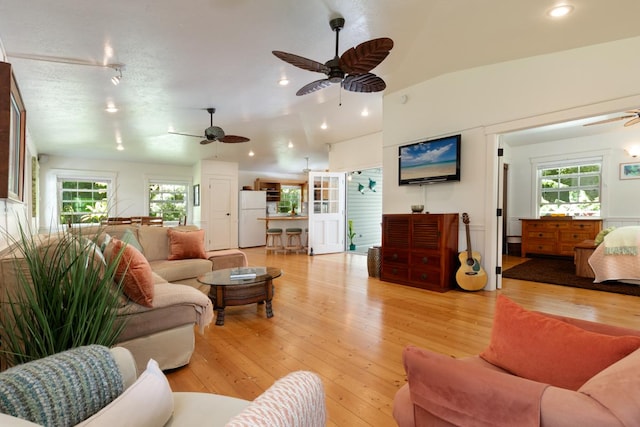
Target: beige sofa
[95, 386]
[154, 244]
[165, 331]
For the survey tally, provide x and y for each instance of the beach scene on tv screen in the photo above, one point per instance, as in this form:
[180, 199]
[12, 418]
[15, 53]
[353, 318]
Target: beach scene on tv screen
[430, 159]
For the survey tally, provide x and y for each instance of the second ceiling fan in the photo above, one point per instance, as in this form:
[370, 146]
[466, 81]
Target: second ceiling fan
[351, 70]
[215, 133]
[634, 115]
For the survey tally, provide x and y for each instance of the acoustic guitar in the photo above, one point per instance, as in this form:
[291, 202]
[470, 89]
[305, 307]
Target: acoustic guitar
[470, 276]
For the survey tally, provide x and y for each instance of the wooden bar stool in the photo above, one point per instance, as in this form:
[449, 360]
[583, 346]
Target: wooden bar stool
[274, 240]
[294, 239]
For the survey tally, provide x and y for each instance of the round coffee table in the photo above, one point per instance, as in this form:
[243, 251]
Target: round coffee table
[229, 291]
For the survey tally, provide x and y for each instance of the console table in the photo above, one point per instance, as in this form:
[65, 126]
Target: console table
[556, 235]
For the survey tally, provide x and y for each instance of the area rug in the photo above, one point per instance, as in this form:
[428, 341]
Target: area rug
[558, 271]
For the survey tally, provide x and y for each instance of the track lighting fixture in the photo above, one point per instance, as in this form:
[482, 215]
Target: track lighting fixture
[118, 67]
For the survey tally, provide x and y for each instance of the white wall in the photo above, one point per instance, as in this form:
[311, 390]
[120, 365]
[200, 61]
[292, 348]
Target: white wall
[131, 197]
[476, 102]
[356, 154]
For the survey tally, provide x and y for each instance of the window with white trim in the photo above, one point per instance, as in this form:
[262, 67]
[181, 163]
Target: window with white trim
[168, 200]
[570, 187]
[83, 199]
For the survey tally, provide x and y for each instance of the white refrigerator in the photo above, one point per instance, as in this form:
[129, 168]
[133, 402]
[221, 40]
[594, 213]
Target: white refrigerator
[251, 231]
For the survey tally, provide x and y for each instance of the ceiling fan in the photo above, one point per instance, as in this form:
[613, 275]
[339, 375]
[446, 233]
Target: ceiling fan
[351, 70]
[215, 133]
[634, 115]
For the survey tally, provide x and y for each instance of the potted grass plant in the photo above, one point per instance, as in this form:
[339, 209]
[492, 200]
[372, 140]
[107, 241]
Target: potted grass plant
[351, 234]
[64, 296]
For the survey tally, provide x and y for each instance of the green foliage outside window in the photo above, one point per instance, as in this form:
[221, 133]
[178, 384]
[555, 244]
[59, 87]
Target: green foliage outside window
[290, 197]
[168, 201]
[572, 190]
[83, 201]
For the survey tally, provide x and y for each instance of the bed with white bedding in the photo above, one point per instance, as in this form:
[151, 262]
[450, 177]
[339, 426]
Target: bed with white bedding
[618, 256]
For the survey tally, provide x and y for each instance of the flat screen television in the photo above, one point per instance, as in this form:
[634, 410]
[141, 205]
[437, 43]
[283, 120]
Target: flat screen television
[430, 161]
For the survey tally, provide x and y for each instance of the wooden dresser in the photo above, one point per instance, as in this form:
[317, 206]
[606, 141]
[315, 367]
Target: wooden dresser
[420, 250]
[556, 235]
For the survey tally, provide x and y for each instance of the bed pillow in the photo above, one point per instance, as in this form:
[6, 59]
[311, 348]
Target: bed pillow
[133, 271]
[186, 244]
[540, 348]
[600, 236]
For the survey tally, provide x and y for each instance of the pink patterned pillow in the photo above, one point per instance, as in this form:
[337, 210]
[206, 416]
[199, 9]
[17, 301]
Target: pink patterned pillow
[296, 400]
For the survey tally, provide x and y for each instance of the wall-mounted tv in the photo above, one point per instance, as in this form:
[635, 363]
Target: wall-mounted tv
[430, 161]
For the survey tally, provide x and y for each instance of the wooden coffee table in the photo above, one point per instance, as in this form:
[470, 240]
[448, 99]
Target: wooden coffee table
[227, 291]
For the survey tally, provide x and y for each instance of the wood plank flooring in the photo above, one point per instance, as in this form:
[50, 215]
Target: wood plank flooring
[332, 319]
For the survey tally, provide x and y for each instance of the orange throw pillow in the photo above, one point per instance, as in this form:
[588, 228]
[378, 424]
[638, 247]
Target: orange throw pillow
[540, 348]
[133, 271]
[186, 244]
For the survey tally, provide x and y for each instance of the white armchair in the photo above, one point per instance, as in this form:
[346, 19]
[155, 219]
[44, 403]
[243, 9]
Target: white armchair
[95, 386]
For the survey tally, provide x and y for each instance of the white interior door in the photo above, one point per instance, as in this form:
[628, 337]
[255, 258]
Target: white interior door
[220, 210]
[326, 212]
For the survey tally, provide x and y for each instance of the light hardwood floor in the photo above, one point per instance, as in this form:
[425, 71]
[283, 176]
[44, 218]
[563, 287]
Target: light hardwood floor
[332, 319]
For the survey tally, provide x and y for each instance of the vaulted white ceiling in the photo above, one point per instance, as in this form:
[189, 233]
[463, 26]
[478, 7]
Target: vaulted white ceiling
[182, 57]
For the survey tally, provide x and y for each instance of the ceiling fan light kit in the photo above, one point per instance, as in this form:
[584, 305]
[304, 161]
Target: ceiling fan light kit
[352, 70]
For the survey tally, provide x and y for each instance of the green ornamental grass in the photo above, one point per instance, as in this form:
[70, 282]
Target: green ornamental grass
[66, 296]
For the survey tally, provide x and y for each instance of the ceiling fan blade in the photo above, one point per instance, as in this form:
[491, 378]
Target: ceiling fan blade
[363, 83]
[206, 141]
[301, 62]
[615, 119]
[313, 86]
[186, 134]
[632, 121]
[366, 56]
[233, 139]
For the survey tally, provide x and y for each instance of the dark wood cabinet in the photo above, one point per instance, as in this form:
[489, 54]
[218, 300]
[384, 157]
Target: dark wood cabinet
[420, 250]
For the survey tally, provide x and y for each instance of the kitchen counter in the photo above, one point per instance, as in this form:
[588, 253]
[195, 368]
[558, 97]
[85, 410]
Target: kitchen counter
[270, 218]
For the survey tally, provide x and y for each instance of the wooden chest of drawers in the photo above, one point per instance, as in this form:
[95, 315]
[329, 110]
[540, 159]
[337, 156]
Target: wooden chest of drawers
[556, 235]
[420, 250]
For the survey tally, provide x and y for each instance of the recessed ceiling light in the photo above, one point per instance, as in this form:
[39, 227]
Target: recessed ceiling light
[323, 126]
[560, 10]
[283, 81]
[364, 113]
[290, 144]
[111, 108]
[251, 153]
[120, 147]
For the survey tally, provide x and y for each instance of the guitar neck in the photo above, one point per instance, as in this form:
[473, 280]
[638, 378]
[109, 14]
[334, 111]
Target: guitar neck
[469, 251]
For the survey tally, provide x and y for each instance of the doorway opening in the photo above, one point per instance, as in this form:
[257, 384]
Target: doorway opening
[364, 210]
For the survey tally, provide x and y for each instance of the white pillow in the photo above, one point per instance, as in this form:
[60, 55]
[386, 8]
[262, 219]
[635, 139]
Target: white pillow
[147, 403]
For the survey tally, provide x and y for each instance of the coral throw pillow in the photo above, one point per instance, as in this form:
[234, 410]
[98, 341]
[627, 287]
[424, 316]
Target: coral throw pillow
[540, 348]
[133, 271]
[186, 244]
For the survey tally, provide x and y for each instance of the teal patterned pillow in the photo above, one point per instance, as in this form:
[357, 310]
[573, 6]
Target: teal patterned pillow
[63, 389]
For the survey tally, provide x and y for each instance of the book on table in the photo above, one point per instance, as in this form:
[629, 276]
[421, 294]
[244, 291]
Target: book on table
[247, 272]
